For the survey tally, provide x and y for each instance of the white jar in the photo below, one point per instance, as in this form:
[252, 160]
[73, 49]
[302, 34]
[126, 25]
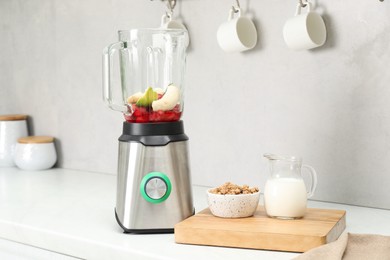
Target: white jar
[35, 153]
[12, 127]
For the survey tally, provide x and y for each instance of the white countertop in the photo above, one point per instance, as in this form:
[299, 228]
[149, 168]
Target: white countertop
[72, 212]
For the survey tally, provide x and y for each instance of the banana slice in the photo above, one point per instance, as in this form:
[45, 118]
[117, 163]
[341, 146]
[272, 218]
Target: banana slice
[134, 98]
[169, 100]
[159, 91]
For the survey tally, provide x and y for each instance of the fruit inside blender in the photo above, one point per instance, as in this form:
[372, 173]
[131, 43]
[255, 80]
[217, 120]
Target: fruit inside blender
[154, 105]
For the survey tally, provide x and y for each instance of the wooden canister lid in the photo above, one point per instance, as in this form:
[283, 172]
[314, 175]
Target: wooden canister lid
[15, 117]
[35, 140]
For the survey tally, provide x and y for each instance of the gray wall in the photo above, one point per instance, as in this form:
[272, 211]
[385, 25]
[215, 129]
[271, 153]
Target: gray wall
[329, 105]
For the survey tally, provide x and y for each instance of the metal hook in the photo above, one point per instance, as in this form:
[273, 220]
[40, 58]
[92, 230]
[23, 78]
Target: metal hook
[303, 4]
[171, 5]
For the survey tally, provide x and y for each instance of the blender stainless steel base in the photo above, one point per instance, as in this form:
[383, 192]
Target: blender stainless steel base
[153, 185]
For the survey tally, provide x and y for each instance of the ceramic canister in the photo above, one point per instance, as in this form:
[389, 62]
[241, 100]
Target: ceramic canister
[35, 153]
[12, 127]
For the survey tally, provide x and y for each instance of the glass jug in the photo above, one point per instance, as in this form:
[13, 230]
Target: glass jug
[285, 194]
[151, 68]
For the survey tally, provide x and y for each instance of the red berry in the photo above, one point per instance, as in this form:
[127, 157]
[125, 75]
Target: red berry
[146, 114]
[142, 119]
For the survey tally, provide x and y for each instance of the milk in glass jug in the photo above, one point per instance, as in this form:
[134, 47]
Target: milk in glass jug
[285, 194]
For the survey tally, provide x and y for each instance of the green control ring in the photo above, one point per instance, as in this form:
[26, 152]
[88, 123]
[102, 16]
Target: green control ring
[153, 175]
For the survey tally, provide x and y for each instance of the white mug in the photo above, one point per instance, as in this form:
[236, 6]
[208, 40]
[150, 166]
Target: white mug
[304, 31]
[168, 23]
[237, 34]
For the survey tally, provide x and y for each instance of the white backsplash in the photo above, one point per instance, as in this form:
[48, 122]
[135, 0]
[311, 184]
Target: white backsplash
[329, 105]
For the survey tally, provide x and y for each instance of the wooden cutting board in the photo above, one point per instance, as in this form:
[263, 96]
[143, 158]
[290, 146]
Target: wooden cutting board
[317, 227]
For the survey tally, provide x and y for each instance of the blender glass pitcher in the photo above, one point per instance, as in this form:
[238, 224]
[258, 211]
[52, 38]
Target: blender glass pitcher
[285, 194]
[151, 68]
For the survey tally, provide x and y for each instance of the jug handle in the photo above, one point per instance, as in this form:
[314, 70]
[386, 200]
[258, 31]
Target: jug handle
[108, 53]
[313, 176]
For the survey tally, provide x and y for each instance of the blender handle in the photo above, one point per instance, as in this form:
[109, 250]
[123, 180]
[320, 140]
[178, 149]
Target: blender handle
[108, 52]
[313, 176]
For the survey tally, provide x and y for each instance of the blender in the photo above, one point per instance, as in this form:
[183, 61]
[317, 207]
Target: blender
[153, 180]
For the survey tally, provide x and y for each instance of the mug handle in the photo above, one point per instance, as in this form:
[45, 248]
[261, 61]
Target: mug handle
[313, 177]
[299, 8]
[232, 11]
[164, 19]
[108, 53]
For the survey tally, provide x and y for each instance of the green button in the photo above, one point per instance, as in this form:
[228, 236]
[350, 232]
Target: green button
[155, 187]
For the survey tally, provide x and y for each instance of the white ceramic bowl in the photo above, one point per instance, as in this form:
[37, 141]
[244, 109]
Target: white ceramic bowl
[233, 206]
